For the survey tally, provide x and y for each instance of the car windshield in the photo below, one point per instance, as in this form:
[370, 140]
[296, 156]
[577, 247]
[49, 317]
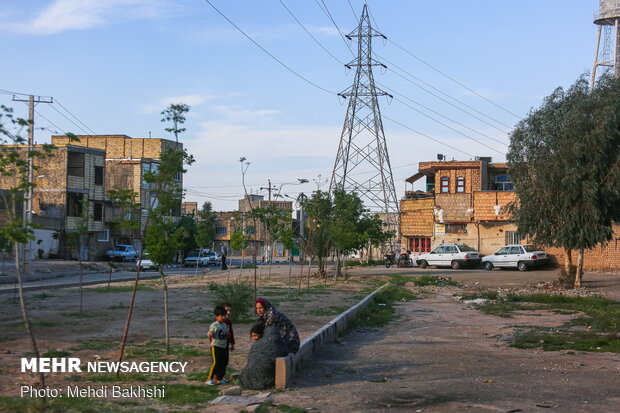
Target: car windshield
[530, 248]
[119, 248]
[465, 248]
[192, 254]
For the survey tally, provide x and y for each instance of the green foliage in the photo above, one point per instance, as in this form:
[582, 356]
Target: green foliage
[564, 160]
[484, 294]
[205, 227]
[119, 289]
[555, 341]
[56, 353]
[175, 113]
[380, 310]
[183, 394]
[238, 240]
[239, 294]
[154, 350]
[332, 310]
[94, 345]
[423, 281]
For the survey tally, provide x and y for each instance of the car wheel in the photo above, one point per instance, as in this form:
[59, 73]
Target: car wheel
[488, 266]
[455, 265]
[522, 266]
[423, 264]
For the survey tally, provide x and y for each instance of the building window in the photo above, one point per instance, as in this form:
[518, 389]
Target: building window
[97, 211]
[460, 184]
[456, 228]
[445, 184]
[75, 164]
[177, 177]
[502, 183]
[220, 230]
[420, 244]
[74, 204]
[98, 175]
[512, 237]
[104, 236]
[250, 230]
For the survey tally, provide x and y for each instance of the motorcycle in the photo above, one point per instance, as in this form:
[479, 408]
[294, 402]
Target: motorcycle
[404, 260]
[390, 259]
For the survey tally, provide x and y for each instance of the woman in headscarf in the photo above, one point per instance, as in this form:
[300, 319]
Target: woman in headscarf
[268, 315]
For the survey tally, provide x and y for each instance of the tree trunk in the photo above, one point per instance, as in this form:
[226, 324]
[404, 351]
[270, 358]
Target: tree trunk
[568, 260]
[270, 260]
[290, 270]
[166, 327]
[81, 273]
[301, 275]
[308, 278]
[129, 313]
[25, 317]
[579, 272]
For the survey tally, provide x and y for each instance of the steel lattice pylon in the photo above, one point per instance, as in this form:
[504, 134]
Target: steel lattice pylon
[362, 163]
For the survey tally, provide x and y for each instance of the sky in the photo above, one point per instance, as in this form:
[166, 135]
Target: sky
[462, 74]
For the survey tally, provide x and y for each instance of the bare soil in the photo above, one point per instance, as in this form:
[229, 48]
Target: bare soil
[438, 355]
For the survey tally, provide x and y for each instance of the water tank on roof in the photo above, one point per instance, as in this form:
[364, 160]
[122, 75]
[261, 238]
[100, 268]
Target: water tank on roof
[609, 11]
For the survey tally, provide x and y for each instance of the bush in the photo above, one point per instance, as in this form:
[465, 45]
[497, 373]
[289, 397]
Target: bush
[239, 294]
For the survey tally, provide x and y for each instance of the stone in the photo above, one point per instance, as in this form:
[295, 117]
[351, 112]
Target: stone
[231, 391]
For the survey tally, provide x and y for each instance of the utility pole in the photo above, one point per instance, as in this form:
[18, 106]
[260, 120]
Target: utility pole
[269, 188]
[27, 209]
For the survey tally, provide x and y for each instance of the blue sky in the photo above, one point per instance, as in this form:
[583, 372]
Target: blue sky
[116, 64]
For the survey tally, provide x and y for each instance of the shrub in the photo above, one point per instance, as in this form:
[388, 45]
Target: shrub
[239, 294]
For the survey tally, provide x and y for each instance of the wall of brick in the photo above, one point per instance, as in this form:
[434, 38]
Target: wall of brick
[484, 202]
[121, 146]
[454, 207]
[602, 257]
[417, 217]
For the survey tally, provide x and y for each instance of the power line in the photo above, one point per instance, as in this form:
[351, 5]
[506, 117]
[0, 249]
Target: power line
[437, 113]
[265, 50]
[75, 124]
[310, 34]
[427, 136]
[75, 117]
[445, 94]
[454, 80]
[442, 99]
[329, 16]
[352, 9]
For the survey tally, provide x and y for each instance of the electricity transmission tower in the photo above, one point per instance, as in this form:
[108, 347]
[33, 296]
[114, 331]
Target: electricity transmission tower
[362, 163]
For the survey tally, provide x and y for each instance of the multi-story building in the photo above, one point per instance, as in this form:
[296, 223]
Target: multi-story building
[463, 201]
[260, 241]
[65, 183]
[126, 162]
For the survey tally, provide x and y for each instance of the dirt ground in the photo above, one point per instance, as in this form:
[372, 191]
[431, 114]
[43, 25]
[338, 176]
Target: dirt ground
[438, 355]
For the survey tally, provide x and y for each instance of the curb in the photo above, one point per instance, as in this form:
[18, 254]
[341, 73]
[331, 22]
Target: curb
[287, 366]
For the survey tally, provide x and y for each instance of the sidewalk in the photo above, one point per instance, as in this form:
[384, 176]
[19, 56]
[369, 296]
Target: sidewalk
[48, 269]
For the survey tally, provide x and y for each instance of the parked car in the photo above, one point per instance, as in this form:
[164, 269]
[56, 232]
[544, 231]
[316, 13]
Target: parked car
[450, 255]
[203, 258]
[516, 256]
[122, 252]
[145, 263]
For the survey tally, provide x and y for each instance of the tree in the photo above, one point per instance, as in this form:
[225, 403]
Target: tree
[564, 160]
[190, 232]
[175, 113]
[239, 241]
[14, 168]
[205, 228]
[77, 239]
[318, 243]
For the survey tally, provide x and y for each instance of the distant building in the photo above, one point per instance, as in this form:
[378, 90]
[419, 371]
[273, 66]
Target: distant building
[189, 208]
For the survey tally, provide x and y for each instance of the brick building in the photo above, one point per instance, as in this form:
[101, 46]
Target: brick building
[464, 201]
[64, 183]
[126, 161]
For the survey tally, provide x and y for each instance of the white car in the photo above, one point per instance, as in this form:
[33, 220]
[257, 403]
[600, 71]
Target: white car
[516, 256]
[145, 263]
[450, 255]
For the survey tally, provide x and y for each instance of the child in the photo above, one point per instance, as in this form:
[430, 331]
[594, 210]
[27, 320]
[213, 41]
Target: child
[218, 334]
[227, 319]
[257, 332]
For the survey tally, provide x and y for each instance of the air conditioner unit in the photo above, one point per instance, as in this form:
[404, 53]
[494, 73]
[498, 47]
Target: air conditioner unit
[486, 159]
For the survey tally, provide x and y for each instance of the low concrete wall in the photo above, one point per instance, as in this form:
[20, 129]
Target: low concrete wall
[286, 366]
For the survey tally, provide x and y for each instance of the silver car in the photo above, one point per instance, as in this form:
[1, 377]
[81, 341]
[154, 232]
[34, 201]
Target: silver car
[450, 255]
[516, 256]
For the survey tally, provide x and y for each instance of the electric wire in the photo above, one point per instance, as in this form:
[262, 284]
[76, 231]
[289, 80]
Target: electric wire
[437, 113]
[310, 34]
[50, 122]
[75, 117]
[454, 80]
[352, 9]
[442, 99]
[267, 52]
[330, 17]
[66, 117]
[427, 136]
